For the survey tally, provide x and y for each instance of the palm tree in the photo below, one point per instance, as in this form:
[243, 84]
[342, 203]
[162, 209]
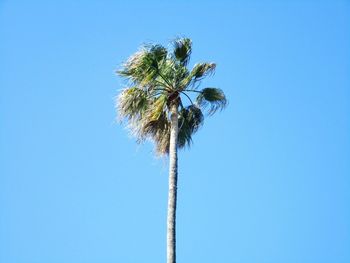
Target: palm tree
[153, 105]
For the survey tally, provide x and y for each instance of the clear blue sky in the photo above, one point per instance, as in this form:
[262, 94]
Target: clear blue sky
[266, 181]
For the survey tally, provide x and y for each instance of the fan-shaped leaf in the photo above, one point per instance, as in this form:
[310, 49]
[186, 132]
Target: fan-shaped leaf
[142, 67]
[212, 97]
[203, 69]
[199, 71]
[182, 50]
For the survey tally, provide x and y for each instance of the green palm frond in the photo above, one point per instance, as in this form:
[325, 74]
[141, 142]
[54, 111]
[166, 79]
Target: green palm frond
[212, 97]
[181, 73]
[166, 73]
[199, 71]
[142, 68]
[202, 70]
[190, 120]
[182, 50]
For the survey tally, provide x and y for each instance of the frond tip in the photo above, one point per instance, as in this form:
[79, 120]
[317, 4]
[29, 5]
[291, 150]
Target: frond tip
[212, 97]
[182, 50]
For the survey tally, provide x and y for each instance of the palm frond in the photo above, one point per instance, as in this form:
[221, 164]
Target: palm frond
[182, 50]
[153, 124]
[157, 107]
[158, 130]
[212, 97]
[199, 71]
[142, 67]
[131, 103]
[190, 120]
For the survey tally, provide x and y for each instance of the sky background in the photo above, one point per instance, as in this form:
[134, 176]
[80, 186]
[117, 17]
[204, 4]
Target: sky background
[266, 181]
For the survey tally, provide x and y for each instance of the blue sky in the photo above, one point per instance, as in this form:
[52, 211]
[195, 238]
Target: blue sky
[267, 180]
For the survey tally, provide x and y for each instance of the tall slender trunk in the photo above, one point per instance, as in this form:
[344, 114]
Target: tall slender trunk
[171, 222]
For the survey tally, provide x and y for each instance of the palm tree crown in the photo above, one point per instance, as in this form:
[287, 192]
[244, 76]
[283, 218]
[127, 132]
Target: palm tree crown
[159, 79]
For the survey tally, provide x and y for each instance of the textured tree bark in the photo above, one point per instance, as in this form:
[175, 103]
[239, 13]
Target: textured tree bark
[171, 222]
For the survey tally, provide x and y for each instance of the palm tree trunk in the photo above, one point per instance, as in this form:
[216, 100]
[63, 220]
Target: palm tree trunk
[171, 222]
